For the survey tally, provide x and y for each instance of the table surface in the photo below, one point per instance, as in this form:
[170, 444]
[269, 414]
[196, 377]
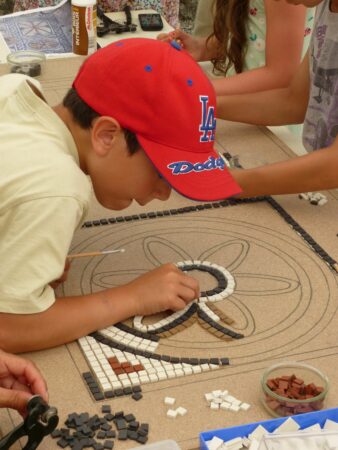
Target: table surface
[62, 366]
[139, 33]
[109, 38]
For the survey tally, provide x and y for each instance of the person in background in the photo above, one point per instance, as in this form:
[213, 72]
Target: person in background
[19, 381]
[311, 98]
[250, 47]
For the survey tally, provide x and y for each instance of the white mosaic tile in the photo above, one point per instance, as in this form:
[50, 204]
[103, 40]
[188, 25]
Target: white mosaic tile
[97, 356]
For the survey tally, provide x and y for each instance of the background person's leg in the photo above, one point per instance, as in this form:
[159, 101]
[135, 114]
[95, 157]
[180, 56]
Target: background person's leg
[6, 7]
[203, 25]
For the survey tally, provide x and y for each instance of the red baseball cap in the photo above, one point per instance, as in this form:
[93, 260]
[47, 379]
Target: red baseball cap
[156, 90]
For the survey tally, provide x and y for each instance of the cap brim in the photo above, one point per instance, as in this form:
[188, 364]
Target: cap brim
[194, 175]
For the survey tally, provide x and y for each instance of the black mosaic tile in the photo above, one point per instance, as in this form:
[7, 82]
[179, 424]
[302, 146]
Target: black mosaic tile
[137, 396]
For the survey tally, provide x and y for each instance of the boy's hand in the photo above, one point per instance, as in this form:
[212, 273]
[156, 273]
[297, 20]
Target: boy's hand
[54, 284]
[193, 45]
[166, 287]
[19, 381]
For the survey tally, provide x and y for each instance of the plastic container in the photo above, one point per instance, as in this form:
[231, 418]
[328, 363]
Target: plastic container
[304, 420]
[300, 441]
[28, 62]
[298, 398]
[84, 26]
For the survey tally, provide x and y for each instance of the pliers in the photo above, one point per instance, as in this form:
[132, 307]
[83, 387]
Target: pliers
[41, 420]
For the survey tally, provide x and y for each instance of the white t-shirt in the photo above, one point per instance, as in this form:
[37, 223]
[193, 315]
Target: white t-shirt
[44, 196]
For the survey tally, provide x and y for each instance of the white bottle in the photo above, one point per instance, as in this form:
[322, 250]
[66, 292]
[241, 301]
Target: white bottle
[84, 26]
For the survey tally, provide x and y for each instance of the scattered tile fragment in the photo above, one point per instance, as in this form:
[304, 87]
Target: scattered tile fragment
[169, 400]
[171, 413]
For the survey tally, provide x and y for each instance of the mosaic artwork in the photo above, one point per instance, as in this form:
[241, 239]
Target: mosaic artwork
[245, 267]
[48, 30]
[282, 259]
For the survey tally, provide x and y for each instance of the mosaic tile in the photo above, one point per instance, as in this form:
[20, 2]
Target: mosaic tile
[114, 370]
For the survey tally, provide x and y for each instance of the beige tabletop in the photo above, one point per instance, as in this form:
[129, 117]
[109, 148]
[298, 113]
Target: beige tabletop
[285, 300]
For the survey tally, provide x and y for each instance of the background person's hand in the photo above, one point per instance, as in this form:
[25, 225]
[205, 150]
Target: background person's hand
[193, 45]
[19, 381]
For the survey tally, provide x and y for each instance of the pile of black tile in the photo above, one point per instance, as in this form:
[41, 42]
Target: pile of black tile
[85, 431]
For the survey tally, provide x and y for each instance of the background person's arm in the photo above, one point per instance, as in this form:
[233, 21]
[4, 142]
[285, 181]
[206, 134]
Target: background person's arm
[284, 43]
[273, 107]
[313, 172]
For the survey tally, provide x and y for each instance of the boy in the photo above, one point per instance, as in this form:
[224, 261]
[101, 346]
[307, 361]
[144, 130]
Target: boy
[313, 96]
[140, 115]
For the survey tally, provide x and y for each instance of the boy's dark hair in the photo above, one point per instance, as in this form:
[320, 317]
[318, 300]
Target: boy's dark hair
[84, 115]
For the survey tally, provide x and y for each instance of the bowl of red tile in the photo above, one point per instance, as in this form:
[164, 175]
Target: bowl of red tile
[291, 388]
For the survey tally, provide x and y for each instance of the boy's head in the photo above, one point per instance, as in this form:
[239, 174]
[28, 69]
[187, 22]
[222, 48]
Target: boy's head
[104, 150]
[158, 93]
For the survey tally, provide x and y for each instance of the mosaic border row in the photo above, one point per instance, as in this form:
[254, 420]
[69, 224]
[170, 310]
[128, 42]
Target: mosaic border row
[331, 262]
[171, 212]
[315, 247]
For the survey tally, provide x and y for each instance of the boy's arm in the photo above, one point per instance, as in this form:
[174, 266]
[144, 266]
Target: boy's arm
[72, 317]
[36, 237]
[313, 172]
[274, 107]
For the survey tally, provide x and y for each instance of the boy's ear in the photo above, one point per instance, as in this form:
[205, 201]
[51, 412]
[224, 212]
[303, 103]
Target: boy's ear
[104, 133]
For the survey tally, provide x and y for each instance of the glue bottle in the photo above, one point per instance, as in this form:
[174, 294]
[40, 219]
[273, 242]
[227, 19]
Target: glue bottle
[84, 26]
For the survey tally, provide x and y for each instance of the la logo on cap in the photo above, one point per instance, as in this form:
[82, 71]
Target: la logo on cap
[208, 125]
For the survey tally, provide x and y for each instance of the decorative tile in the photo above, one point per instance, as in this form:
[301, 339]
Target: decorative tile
[48, 30]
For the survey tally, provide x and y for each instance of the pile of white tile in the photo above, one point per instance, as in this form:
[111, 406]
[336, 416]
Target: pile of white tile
[223, 400]
[315, 198]
[287, 436]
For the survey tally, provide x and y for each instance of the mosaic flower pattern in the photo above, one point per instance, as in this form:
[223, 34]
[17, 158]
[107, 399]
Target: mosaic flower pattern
[122, 357]
[205, 309]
